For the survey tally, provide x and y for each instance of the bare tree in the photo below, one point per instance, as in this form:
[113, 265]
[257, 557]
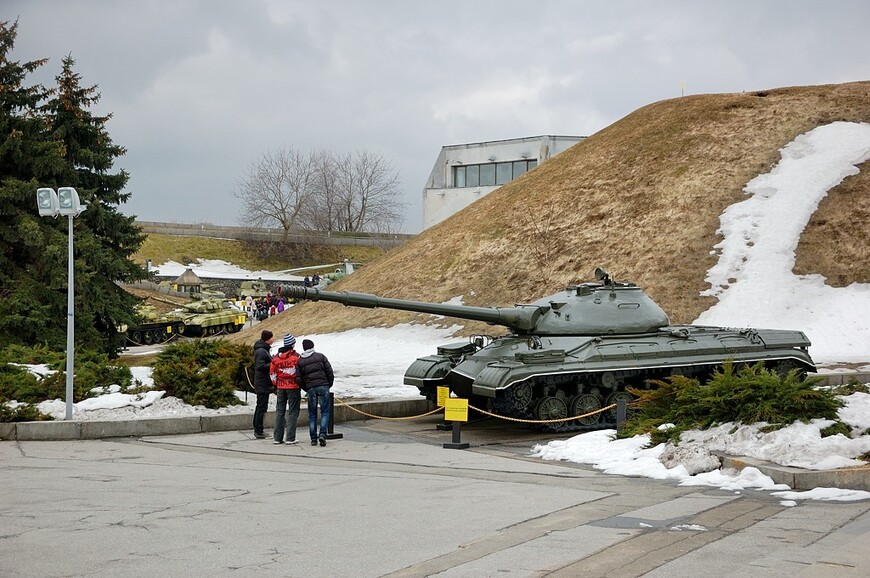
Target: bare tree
[275, 189]
[368, 193]
[321, 214]
[321, 191]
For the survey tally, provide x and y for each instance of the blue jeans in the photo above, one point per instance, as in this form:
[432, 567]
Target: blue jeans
[291, 398]
[318, 395]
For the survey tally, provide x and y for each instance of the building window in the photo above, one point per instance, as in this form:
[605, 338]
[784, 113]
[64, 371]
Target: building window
[459, 177]
[487, 175]
[503, 173]
[490, 174]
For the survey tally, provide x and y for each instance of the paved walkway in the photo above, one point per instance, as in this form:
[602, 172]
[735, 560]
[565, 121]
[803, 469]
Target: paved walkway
[389, 500]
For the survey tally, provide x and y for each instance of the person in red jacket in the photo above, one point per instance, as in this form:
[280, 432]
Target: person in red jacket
[283, 374]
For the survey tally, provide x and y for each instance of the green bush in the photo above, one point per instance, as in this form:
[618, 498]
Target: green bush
[835, 428]
[24, 412]
[32, 355]
[750, 395]
[202, 372]
[92, 370]
[853, 386]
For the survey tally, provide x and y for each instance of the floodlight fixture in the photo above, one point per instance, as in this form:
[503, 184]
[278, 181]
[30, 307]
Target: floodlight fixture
[68, 202]
[47, 202]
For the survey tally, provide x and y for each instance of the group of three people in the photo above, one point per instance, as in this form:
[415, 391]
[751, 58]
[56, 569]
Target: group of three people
[289, 373]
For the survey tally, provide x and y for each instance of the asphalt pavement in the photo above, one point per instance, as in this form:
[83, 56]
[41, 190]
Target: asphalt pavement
[389, 500]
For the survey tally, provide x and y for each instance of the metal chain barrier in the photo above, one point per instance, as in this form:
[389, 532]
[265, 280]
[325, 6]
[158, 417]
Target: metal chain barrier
[350, 407]
[436, 410]
[561, 419]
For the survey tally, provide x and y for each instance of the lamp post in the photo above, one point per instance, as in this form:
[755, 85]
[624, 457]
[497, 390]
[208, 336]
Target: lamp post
[51, 204]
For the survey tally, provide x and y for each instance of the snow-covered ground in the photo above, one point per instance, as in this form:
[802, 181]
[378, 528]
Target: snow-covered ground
[755, 287]
[217, 269]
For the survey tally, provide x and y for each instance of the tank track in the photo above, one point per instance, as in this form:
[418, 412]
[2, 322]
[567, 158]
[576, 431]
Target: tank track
[503, 406]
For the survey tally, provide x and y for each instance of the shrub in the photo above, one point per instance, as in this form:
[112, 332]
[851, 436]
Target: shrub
[31, 355]
[853, 386]
[23, 412]
[835, 428]
[92, 370]
[752, 394]
[202, 372]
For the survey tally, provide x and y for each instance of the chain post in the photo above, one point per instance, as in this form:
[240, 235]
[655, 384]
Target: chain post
[330, 435]
[621, 411]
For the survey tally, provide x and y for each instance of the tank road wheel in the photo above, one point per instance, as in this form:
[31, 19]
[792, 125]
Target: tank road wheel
[585, 403]
[521, 395]
[551, 407]
[613, 398]
[149, 337]
[136, 337]
[164, 336]
[784, 367]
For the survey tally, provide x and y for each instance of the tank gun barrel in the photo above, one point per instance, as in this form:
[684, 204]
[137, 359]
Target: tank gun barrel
[521, 319]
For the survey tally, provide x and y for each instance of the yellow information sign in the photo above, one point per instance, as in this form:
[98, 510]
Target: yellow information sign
[455, 409]
[443, 394]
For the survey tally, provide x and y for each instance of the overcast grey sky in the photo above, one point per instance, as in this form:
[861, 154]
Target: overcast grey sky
[201, 89]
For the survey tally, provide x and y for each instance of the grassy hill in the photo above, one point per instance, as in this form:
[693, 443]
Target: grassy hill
[248, 255]
[641, 198]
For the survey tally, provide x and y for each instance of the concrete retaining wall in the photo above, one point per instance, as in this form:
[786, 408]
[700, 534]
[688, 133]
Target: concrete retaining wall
[81, 430]
[802, 480]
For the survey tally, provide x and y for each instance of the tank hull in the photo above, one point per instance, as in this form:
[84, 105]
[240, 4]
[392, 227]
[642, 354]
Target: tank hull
[558, 376]
[205, 324]
[153, 332]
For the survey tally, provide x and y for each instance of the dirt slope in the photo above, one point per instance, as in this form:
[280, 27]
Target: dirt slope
[641, 198]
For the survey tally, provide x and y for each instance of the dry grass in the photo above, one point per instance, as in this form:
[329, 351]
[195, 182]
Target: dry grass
[641, 198]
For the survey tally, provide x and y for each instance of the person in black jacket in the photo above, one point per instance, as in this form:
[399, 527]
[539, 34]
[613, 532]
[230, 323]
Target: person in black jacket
[315, 376]
[262, 381]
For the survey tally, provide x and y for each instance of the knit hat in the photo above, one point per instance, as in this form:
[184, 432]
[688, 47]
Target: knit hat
[289, 340]
[307, 344]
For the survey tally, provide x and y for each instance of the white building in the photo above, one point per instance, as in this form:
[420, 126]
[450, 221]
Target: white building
[464, 173]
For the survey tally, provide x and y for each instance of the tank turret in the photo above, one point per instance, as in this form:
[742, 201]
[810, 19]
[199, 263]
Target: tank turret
[585, 309]
[576, 351]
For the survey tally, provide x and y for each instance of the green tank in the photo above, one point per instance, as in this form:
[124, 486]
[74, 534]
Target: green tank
[210, 317]
[152, 326]
[571, 353]
[255, 289]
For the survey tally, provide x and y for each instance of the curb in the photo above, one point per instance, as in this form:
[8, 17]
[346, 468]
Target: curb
[88, 430]
[799, 479]
[842, 378]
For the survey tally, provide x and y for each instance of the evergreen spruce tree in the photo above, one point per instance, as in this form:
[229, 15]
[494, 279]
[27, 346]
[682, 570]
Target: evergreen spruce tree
[48, 138]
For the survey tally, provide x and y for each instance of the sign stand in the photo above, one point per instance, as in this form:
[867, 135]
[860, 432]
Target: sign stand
[443, 395]
[456, 410]
[456, 444]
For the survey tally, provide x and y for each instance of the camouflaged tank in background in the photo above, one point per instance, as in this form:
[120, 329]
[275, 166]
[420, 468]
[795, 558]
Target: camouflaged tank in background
[152, 326]
[571, 353]
[210, 317]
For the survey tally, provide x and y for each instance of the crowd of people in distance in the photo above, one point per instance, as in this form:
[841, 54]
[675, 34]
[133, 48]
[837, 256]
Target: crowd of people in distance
[312, 281]
[264, 307]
